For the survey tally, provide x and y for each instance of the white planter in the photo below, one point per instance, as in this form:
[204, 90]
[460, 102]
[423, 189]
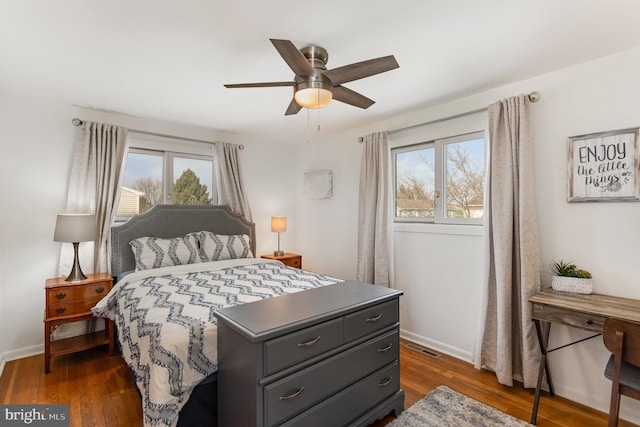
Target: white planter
[573, 285]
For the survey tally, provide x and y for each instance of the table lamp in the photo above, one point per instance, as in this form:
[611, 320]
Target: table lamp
[278, 225]
[75, 228]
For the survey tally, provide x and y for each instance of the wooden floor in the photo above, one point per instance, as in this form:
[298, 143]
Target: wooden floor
[100, 391]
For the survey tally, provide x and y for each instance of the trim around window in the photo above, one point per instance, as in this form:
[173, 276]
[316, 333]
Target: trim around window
[440, 181]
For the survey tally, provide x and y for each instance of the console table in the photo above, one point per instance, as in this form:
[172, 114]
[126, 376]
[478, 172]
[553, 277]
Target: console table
[328, 356]
[582, 311]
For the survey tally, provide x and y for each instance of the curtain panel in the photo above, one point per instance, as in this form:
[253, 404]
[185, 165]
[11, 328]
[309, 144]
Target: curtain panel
[94, 188]
[509, 343]
[373, 222]
[230, 187]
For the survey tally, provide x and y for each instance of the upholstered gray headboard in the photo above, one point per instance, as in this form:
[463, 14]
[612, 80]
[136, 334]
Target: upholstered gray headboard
[173, 221]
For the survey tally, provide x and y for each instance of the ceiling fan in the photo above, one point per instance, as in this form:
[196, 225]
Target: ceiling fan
[314, 86]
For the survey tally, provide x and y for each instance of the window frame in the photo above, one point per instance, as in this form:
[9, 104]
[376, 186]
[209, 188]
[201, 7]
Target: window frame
[440, 178]
[168, 156]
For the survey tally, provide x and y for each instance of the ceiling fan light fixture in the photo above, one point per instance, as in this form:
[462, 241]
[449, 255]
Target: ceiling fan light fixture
[313, 97]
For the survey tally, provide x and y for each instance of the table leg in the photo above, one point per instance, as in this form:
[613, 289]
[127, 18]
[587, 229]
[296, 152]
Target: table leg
[543, 340]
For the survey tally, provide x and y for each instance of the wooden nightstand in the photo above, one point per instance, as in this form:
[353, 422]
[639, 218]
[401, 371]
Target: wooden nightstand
[292, 260]
[68, 302]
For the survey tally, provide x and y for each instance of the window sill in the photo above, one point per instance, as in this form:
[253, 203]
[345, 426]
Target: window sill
[455, 229]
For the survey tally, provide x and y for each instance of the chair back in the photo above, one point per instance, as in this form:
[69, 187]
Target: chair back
[626, 335]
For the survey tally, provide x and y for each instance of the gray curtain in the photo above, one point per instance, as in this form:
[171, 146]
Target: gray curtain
[373, 241]
[509, 344]
[94, 187]
[230, 187]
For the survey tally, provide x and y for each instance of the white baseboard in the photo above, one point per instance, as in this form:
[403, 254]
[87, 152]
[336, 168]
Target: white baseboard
[20, 353]
[438, 346]
[2, 363]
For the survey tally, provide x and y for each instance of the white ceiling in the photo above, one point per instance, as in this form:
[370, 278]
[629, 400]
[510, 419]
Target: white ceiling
[169, 59]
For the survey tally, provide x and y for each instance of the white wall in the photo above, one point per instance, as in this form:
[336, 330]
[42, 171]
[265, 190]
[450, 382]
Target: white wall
[36, 144]
[600, 237]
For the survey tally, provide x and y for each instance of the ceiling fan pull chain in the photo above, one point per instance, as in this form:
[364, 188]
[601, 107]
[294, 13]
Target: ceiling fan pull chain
[308, 127]
[318, 91]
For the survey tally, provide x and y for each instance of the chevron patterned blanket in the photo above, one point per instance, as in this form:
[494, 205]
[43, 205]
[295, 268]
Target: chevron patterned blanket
[166, 327]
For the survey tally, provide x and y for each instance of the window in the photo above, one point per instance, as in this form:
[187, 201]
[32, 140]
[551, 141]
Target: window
[152, 177]
[440, 181]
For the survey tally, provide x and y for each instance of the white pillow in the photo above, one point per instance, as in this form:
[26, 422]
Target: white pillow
[154, 252]
[215, 247]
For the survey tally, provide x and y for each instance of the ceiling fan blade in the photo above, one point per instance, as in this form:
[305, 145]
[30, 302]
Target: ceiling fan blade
[293, 108]
[293, 57]
[267, 84]
[348, 96]
[359, 70]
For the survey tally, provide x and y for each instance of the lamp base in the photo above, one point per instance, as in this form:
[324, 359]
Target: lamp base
[278, 253]
[76, 274]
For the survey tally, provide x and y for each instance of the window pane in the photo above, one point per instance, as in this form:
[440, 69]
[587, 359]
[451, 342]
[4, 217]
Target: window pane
[142, 185]
[192, 181]
[415, 183]
[465, 177]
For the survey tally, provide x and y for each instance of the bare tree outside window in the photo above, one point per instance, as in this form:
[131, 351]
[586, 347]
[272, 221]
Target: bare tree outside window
[441, 181]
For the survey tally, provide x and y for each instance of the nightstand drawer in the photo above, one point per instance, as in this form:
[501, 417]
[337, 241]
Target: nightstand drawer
[71, 308]
[76, 293]
[98, 291]
[293, 262]
[370, 319]
[297, 392]
[290, 349]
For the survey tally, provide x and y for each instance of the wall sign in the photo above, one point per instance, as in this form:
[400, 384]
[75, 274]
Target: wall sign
[603, 167]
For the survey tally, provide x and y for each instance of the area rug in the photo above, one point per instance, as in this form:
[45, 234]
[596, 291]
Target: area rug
[444, 407]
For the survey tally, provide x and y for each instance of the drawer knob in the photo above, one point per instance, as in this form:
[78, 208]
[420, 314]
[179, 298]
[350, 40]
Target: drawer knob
[387, 348]
[589, 322]
[293, 395]
[374, 318]
[310, 342]
[61, 310]
[99, 290]
[61, 295]
[385, 382]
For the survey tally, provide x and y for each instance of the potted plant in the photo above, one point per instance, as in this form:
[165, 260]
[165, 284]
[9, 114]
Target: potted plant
[569, 278]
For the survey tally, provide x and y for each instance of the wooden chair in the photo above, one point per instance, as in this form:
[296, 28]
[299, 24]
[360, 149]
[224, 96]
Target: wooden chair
[622, 338]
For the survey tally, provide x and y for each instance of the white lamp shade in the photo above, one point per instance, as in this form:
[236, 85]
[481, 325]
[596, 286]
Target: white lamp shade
[278, 224]
[75, 228]
[313, 97]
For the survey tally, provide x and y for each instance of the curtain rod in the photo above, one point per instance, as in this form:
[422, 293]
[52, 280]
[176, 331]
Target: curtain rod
[78, 122]
[533, 97]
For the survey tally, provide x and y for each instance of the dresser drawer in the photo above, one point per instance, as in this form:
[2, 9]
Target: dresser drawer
[290, 349]
[297, 392]
[346, 406]
[369, 320]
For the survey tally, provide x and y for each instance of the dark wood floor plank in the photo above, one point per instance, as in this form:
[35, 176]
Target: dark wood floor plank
[101, 392]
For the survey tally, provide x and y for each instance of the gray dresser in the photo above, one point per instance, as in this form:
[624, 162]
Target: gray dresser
[325, 357]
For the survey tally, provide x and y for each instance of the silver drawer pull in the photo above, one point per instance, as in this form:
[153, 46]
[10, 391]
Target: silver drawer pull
[385, 382]
[374, 318]
[387, 348]
[294, 395]
[310, 342]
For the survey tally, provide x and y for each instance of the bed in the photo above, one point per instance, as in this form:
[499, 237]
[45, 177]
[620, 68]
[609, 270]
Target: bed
[175, 265]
